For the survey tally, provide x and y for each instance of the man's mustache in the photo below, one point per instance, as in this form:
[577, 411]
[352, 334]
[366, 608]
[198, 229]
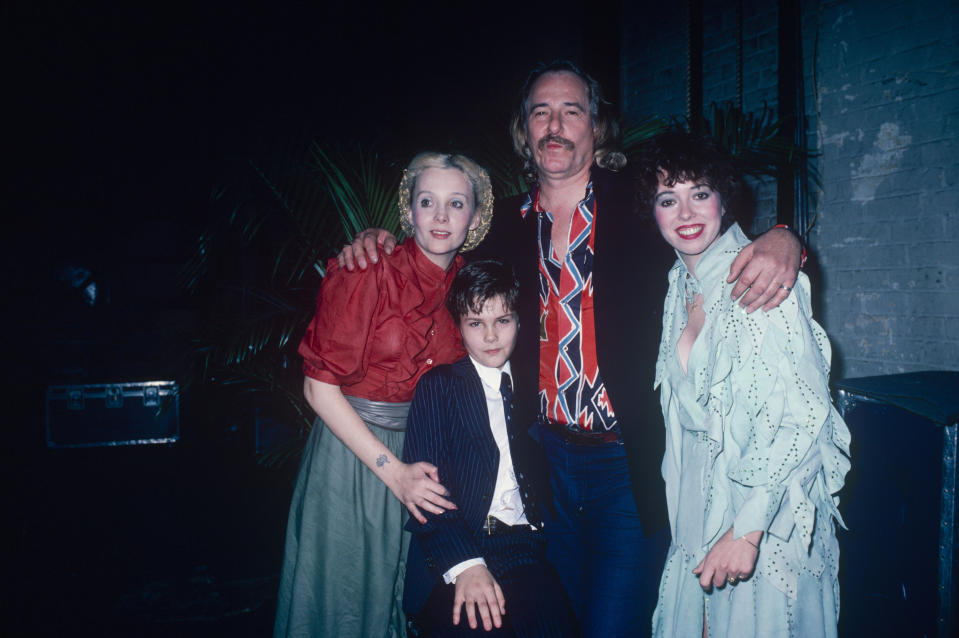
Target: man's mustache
[555, 139]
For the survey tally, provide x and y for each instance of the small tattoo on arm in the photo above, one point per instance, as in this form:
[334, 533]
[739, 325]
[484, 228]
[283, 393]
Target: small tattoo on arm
[381, 460]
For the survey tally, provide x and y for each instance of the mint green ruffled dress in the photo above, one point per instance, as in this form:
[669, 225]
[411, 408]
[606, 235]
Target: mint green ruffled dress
[753, 442]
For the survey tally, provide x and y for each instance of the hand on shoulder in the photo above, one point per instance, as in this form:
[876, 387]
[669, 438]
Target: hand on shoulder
[765, 271]
[365, 248]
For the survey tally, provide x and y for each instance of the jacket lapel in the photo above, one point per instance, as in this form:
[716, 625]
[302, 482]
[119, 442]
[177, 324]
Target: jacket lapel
[475, 417]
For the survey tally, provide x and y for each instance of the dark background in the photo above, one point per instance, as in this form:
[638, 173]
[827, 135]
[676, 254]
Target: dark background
[122, 120]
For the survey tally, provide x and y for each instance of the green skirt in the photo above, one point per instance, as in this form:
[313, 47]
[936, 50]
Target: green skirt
[345, 556]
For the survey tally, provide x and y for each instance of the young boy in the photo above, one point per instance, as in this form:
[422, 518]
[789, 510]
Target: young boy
[488, 555]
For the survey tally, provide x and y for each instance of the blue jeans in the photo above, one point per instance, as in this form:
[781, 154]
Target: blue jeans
[610, 569]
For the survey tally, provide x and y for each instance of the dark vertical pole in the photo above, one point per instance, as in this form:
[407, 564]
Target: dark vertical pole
[791, 197]
[739, 55]
[947, 532]
[694, 66]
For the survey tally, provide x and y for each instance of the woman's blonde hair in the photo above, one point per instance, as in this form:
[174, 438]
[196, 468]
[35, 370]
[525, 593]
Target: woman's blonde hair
[475, 175]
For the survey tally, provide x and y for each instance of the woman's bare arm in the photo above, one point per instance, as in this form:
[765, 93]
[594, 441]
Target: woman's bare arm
[416, 485]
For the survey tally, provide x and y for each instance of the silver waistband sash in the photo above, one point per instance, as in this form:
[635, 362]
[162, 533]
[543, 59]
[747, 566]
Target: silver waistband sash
[382, 414]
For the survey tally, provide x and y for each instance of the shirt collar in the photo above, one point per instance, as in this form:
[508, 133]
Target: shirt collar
[711, 265]
[426, 268]
[492, 377]
[532, 199]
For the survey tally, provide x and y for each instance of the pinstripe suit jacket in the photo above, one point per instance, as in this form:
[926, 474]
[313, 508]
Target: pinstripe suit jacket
[448, 426]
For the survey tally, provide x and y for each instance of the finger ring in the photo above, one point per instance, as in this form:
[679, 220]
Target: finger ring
[732, 580]
[786, 288]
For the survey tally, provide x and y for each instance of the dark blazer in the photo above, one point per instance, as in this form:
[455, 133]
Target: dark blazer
[448, 426]
[629, 284]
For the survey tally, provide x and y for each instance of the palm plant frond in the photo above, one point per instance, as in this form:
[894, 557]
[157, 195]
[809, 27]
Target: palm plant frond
[254, 273]
[635, 135]
[363, 196]
[283, 453]
[756, 142]
[505, 168]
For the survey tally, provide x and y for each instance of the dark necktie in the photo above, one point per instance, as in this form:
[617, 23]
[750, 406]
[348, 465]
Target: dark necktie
[506, 389]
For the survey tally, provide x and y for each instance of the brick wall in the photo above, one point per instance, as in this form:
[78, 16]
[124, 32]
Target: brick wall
[882, 101]
[653, 45]
[887, 85]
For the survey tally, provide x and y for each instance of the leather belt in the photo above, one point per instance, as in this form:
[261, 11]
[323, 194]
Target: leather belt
[580, 438]
[495, 527]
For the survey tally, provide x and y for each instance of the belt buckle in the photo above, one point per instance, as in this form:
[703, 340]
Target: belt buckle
[489, 525]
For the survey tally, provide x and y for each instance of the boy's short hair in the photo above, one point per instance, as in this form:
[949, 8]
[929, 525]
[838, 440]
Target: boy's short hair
[478, 282]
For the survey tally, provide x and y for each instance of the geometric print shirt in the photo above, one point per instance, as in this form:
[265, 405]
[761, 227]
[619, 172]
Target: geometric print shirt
[571, 389]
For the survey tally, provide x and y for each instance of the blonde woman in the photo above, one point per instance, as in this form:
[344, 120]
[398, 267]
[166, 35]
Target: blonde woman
[374, 334]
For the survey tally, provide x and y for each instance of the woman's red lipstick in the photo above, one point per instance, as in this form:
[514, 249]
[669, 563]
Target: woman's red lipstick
[692, 235]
